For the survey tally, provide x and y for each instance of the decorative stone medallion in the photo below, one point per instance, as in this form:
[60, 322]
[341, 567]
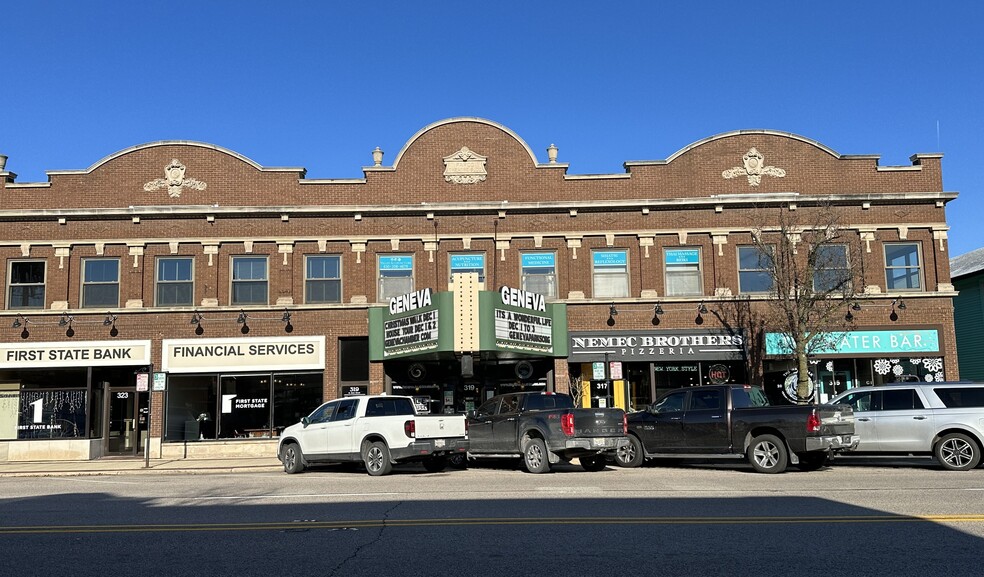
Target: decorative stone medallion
[754, 168]
[174, 180]
[464, 167]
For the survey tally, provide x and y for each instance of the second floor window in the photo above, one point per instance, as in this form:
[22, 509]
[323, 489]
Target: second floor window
[902, 266]
[323, 283]
[175, 282]
[468, 262]
[683, 271]
[395, 276]
[610, 273]
[755, 268]
[100, 282]
[539, 273]
[26, 289]
[249, 280]
[830, 271]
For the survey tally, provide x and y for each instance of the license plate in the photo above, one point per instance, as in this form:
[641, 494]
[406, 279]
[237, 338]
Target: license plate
[439, 442]
[846, 439]
[600, 442]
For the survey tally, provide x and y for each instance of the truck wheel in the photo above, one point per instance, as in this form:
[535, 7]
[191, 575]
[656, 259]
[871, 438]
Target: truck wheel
[957, 452]
[377, 459]
[535, 456]
[812, 461]
[293, 459]
[631, 455]
[436, 464]
[767, 454]
[594, 463]
[458, 461]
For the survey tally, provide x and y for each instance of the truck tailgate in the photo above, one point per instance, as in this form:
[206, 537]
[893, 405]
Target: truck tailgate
[598, 423]
[836, 419]
[440, 426]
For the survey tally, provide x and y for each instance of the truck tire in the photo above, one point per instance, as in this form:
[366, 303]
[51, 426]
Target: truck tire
[535, 457]
[594, 463]
[292, 459]
[436, 464]
[376, 456]
[767, 454]
[458, 461]
[957, 452]
[631, 455]
[812, 461]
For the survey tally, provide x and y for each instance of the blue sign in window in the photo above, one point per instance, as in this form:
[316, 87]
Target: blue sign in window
[396, 263]
[539, 260]
[467, 261]
[609, 258]
[683, 256]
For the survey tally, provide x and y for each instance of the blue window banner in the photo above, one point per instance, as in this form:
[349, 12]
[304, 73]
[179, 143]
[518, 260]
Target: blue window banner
[538, 259]
[683, 256]
[609, 258]
[396, 263]
[898, 342]
[467, 261]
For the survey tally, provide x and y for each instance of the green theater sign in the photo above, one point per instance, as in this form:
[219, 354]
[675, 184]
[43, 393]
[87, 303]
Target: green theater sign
[509, 323]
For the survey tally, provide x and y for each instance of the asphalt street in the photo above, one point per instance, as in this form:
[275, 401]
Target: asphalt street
[707, 519]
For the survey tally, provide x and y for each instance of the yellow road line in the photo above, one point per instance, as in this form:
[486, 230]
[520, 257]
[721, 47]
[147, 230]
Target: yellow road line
[375, 523]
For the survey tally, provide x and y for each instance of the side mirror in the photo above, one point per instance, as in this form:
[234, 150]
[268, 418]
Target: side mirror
[305, 421]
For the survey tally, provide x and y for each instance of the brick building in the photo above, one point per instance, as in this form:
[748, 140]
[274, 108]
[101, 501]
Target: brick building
[222, 299]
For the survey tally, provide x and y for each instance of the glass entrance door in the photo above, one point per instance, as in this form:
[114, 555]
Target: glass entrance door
[833, 383]
[122, 422]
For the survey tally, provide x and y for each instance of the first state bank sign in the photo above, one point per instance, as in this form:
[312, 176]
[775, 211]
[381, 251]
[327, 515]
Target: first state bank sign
[252, 354]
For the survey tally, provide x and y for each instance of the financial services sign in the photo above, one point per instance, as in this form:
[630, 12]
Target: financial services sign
[243, 354]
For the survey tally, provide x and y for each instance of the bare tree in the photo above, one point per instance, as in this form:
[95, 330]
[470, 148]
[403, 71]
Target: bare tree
[816, 270]
[578, 389]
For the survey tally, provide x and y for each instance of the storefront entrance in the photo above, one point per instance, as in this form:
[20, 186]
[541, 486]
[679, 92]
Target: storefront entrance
[126, 421]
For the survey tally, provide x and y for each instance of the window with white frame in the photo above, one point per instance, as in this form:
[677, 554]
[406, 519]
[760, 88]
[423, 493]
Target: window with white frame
[249, 280]
[175, 281]
[100, 282]
[831, 272]
[25, 289]
[395, 276]
[902, 271]
[610, 273]
[683, 276]
[755, 266]
[538, 271]
[323, 280]
[468, 262]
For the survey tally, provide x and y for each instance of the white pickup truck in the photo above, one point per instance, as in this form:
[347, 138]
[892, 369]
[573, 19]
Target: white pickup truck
[378, 431]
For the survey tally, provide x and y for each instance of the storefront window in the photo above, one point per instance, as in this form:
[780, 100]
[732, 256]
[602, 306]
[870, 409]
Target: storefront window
[294, 396]
[43, 404]
[191, 402]
[245, 406]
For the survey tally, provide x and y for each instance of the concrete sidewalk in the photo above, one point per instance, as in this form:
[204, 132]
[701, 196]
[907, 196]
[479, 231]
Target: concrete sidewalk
[118, 466]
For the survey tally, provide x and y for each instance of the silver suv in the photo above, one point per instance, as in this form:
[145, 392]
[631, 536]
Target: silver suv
[945, 419]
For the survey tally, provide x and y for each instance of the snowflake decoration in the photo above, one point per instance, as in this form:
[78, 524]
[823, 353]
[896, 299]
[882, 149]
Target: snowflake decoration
[929, 378]
[894, 361]
[897, 370]
[881, 366]
[830, 366]
[939, 377]
[916, 361]
[933, 365]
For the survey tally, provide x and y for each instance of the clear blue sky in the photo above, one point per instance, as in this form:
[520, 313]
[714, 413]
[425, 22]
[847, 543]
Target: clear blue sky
[320, 84]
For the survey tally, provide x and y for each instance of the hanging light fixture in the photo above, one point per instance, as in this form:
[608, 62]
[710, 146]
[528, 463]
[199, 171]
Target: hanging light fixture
[657, 310]
[288, 328]
[612, 313]
[701, 310]
[241, 319]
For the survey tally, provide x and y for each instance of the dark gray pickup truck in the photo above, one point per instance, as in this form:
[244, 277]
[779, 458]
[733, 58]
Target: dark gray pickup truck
[545, 428]
[737, 421]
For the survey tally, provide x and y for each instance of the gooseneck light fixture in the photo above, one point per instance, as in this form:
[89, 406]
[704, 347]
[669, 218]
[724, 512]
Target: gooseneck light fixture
[612, 313]
[657, 311]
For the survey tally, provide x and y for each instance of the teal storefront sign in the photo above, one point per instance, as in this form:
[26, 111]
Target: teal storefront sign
[862, 342]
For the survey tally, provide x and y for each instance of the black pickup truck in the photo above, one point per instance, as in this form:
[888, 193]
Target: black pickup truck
[544, 429]
[737, 421]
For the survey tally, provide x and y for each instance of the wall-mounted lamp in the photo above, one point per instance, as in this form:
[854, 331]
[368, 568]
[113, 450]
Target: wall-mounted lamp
[196, 319]
[849, 317]
[110, 321]
[612, 313]
[21, 321]
[66, 320]
[241, 319]
[899, 304]
[657, 310]
[288, 328]
[701, 310]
